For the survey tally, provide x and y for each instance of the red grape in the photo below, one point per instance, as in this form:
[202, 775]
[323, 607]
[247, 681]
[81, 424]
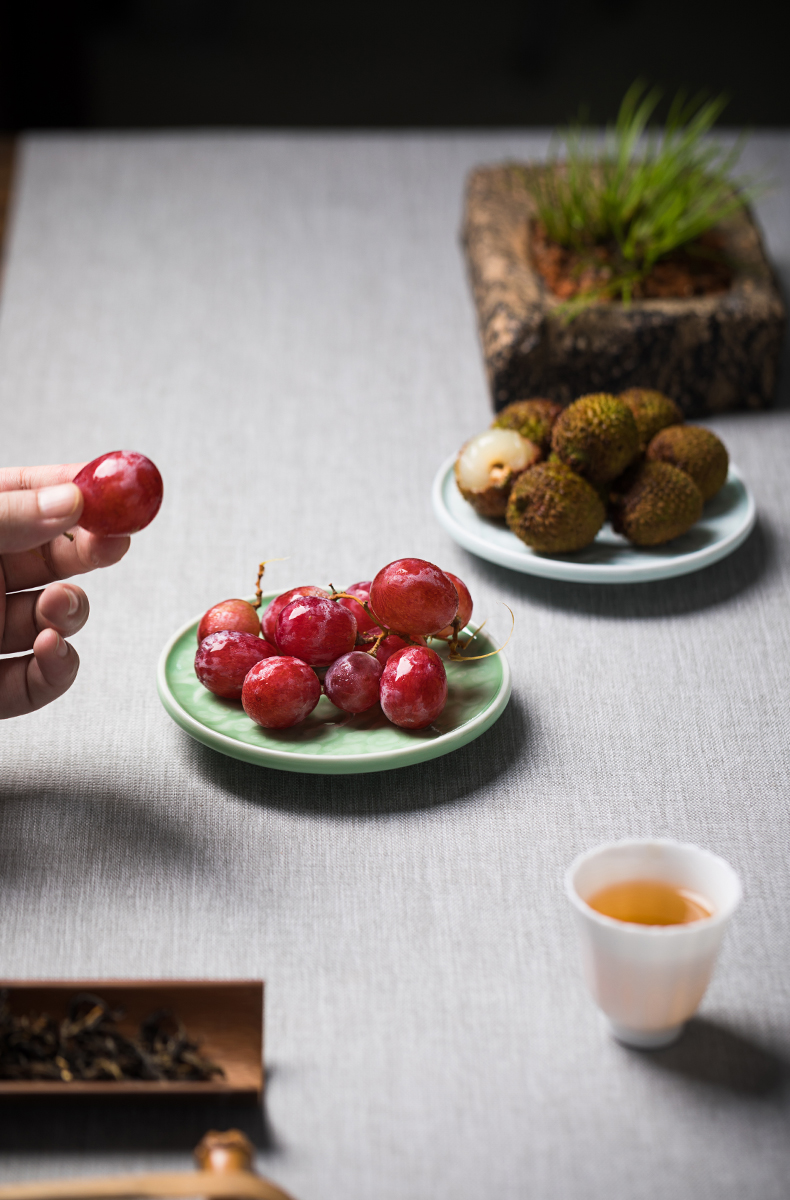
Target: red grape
[316, 629]
[224, 658]
[413, 687]
[271, 616]
[352, 682]
[464, 613]
[411, 595]
[121, 493]
[280, 692]
[362, 591]
[237, 615]
[388, 645]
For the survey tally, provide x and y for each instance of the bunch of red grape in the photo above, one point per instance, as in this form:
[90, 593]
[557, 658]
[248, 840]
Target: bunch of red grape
[368, 642]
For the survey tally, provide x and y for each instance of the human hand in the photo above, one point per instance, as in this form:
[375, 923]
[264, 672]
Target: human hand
[37, 506]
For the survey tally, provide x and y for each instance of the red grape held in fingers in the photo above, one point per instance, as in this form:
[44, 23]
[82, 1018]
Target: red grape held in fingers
[413, 687]
[121, 493]
[464, 614]
[238, 615]
[224, 659]
[280, 692]
[362, 593]
[271, 616]
[316, 630]
[352, 682]
[412, 596]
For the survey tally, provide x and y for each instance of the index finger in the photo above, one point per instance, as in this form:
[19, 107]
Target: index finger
[17, 479]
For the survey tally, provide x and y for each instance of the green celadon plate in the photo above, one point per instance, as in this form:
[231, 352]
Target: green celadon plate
[331, 742]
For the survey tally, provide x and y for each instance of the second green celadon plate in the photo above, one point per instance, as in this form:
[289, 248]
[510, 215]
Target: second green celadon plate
[330, 742]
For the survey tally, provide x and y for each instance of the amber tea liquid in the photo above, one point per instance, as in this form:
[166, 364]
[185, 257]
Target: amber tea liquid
[650, 902]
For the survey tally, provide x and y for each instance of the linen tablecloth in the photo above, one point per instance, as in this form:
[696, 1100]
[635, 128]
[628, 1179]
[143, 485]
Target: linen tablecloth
[283, 324]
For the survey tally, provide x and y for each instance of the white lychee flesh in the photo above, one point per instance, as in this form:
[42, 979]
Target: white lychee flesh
[488, 459]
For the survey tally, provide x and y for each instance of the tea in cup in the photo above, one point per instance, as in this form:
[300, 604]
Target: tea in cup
[651, 914]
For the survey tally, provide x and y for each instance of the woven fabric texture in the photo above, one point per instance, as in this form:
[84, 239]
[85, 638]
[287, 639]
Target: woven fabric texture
[283, 324]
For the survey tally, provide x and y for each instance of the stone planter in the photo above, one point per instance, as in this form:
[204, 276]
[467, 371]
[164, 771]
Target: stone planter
[709, 353]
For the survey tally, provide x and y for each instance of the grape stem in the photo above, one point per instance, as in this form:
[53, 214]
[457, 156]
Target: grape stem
[384, 631]
[375, 645]
[261, 571]
[453, 641]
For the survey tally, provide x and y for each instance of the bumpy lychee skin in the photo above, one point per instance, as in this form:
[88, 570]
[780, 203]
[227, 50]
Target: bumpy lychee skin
[696, 451]
[658, 503]
[596, 436]
[488, 465]
[554, 510]
[652, 412]
[533, 419]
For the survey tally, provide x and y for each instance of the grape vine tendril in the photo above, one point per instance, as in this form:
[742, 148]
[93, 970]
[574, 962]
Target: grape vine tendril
[458, 657]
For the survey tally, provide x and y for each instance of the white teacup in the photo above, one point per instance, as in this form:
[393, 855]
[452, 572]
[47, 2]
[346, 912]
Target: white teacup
[649, 979]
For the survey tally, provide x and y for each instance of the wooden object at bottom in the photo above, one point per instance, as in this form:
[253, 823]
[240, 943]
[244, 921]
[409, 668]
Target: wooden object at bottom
[225, 1173]
[224, 1017]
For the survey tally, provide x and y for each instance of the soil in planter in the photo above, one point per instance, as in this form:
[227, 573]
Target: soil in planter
[698, 269]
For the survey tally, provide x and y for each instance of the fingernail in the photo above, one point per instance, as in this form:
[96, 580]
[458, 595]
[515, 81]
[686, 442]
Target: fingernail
[74, 600]
[62, 648]
[60, 501]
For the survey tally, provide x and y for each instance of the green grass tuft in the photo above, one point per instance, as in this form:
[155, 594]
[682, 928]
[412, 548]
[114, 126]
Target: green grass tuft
[644, 191]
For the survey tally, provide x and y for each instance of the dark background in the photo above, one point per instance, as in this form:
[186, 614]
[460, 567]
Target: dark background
[357, 63]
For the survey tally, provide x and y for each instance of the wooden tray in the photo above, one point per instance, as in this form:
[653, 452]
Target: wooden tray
[225, 1018]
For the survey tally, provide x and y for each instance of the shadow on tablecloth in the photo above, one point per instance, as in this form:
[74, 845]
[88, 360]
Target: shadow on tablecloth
[721, 1057]
[456, 778]
[125, 1123]
[717, 584]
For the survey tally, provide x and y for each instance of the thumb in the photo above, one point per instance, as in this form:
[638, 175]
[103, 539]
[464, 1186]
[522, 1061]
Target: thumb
[31, 517]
